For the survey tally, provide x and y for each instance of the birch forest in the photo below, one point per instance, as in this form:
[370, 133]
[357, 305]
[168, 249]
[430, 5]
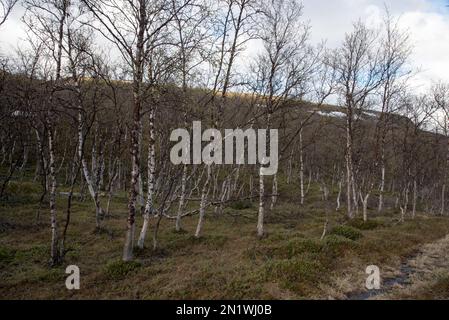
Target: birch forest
[89, 101]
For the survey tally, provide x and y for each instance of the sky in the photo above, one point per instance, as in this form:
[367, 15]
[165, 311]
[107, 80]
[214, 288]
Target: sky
[427, 21]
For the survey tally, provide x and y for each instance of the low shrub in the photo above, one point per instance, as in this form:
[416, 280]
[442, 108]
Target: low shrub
[347, 232]
[118, 269]
[368, 225]
[242, 205]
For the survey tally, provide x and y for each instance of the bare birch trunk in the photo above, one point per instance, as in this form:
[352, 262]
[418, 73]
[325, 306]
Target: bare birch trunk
[340, 187]
[151, 178]
[260, 219]
[365, 206]
[140, 196]
[274, 196]
[181, 199]
[404, 207]
[135, 172]
[203, 203]
[225, 194]
[349, 173]
[138, 66]
[309, 182]
[301, 168]
[415, 197]
[53, 182]
[87, 176]
[348, 188]
[324, 234]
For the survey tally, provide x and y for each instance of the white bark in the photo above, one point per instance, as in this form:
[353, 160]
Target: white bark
[404, 207]
[203, 203]
[53, 182]
[87, 176]
[274, 196]
[326, 225]
[151, 179]
[348, 188]
[325, 191]
[181, 199]
[309, 183]
[260, 219]
[225, 194]
[340, 187]
[415, 197]
[365, 205]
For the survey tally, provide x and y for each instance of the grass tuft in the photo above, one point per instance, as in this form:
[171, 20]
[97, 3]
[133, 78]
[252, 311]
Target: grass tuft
[347, 232]
[117, 270]
[365, 226]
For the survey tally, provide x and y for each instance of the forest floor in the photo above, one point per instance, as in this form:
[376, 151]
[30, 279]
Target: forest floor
[228, 262]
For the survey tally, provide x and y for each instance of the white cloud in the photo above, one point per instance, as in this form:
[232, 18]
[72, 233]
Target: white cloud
[427, 22]
[430, 36]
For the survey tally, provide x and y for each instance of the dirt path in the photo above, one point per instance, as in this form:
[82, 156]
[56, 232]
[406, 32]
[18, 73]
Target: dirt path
[416, 274]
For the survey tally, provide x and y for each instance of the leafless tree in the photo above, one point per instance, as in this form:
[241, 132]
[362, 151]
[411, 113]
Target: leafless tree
[281, 71]
[440, 95]
[395, 54]
[134, 27]
[359, 73]
[234, 18]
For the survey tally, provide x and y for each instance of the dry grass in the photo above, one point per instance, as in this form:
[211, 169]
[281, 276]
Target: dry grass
[227, 263]
[430, 277]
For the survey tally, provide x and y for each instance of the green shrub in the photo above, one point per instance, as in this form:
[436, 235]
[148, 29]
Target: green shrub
[6, 256]
[335, 245]
[347, 232]
[294, 271]
[49, 275]
[242, 205]
[36, 254]
[119, 269]
[368, 225]
[300, 246]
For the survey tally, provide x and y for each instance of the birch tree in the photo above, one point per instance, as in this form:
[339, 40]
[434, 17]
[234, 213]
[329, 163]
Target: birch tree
[234, 18]
[131, 26]
[191, 38]
[394, 58]
[47, 20]
[440, 93]
[282, 69]
[359, 74]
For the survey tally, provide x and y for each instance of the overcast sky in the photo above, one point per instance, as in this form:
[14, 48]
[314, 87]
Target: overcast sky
[426, 20]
